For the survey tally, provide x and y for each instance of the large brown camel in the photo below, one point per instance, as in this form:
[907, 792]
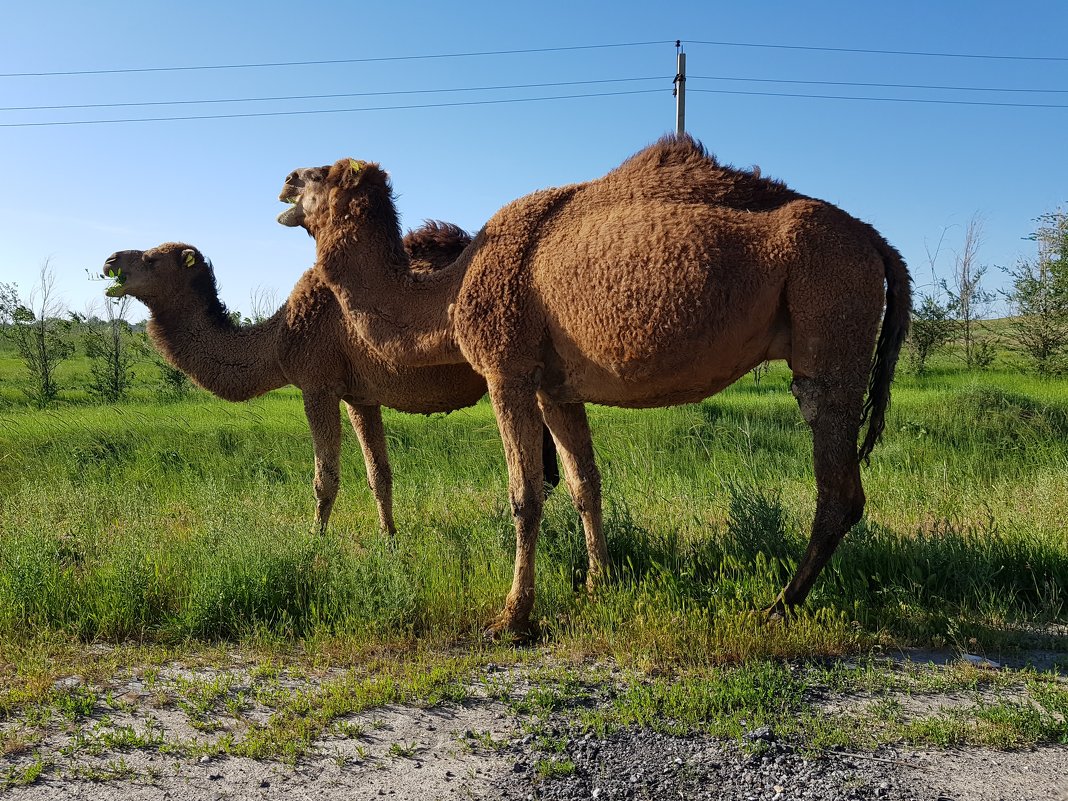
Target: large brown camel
[307, 343]
[661, 283]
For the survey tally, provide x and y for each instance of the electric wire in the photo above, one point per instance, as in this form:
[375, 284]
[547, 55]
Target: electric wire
[320, 62]
[328, 111]
[340, 95]
[876, 52]
[929, 101]
[332, 96]
[875, 85]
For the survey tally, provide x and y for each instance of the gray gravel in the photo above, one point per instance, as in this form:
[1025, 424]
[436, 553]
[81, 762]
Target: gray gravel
[645, 765]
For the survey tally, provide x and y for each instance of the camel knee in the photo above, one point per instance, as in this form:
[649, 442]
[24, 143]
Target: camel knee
[840, 509]
[526, 513]
[855, 510]
[326, 485]
[380, 480]
[586, 490]
[808, 393]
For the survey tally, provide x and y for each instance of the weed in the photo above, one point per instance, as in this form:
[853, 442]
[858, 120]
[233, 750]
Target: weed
[74, 703]
[554, 768]
[404, 750]
[24, 775]
[349, 729]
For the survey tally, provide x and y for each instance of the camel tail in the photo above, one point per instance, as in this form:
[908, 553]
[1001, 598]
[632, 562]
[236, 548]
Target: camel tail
[888, 348]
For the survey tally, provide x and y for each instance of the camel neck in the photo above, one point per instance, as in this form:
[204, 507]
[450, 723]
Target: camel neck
[235, 362]
[402, 315]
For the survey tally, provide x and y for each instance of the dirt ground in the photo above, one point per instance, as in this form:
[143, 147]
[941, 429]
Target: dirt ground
[467, 750]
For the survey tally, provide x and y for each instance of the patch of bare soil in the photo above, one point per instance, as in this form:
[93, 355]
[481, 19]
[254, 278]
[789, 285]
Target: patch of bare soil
[400, 753]
[978, 774]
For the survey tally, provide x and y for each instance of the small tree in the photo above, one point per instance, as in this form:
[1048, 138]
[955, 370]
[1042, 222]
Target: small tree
[969, 299]
[107, 346]
[174, 384]
[933, 327]
[934, 324]
[37, 330]
[1038, 298]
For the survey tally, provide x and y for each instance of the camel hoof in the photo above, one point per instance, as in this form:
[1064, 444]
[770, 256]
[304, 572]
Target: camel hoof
[776, 613]
[597, 580]
[519, 632]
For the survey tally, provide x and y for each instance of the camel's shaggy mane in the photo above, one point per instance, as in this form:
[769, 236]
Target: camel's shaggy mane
[206, 288]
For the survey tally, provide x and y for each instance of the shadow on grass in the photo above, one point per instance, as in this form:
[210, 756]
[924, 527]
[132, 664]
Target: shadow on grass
[948, 584]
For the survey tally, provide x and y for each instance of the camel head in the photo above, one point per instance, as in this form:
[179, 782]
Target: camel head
[163, 272]
[319, 195]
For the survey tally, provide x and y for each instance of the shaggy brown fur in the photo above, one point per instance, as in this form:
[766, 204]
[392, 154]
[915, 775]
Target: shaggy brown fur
[660, 283]
[306, 343]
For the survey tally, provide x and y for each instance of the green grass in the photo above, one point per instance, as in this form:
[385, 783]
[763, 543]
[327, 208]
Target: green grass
[165, 522]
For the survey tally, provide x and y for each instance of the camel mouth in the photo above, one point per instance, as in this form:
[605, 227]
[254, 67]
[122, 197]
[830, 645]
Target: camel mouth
[116, 290]
[294, 215]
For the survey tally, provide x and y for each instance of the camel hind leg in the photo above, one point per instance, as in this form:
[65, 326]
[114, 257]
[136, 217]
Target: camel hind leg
[834, 300]
[833, 413]
[367, 423]
[571, 430]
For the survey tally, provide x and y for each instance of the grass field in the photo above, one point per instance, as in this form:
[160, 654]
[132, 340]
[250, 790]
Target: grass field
[164, 521]
[167, 525]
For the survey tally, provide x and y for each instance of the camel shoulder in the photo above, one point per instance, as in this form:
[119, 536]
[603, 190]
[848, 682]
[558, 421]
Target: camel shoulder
[525, 215]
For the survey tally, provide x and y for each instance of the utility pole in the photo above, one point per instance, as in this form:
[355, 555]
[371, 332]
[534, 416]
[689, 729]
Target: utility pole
[680, 89]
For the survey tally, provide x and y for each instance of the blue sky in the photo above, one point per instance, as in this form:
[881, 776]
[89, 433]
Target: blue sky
[75, 193]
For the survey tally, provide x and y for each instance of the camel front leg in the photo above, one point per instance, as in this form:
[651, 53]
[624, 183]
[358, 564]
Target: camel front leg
[520, 423]
[571, 430]
[367, 423]
[325, 424]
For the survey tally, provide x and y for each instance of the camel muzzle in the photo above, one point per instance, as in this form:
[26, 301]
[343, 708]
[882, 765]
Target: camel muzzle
[112, 270]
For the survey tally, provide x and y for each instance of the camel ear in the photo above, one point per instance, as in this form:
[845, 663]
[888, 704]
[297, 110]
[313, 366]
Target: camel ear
[348, 172]
[189, 256]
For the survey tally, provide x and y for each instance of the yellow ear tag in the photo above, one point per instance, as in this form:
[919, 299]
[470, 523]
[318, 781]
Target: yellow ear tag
[355, 165]
[190, 259]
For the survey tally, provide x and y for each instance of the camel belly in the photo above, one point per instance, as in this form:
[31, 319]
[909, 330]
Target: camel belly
[687, 373]
[421, 390]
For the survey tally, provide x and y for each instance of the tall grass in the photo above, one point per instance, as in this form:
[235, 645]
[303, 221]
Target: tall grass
[191, 519]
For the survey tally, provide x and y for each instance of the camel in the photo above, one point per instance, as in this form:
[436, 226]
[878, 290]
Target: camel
[305, 343]
[661, 283]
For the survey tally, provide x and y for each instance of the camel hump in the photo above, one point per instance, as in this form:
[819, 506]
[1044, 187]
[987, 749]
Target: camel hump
[435, 244]
[678, 169]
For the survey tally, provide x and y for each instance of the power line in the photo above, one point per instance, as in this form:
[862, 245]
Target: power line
[884, 99]
[275, 98]
[876, 85]
[879, 52]
[369, 60]
[331, 96]
[329, 111]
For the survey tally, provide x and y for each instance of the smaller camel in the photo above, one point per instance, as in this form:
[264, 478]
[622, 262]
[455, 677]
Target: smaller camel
[306, 343]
